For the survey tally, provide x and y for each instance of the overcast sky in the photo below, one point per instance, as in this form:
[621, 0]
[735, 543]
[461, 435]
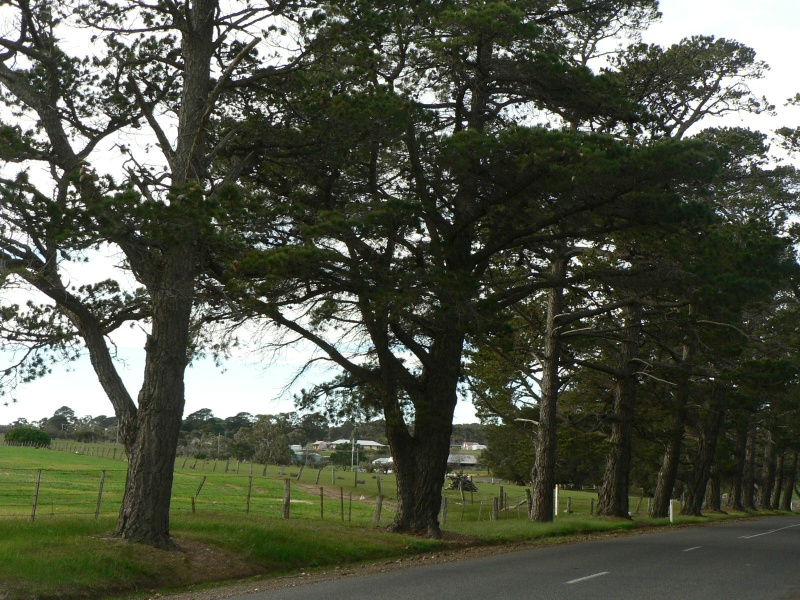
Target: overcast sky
[769, 26]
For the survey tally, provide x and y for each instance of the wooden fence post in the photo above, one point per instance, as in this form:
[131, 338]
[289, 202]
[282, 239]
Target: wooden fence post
[197, 493]
[100, 495]
[322, 503]
[495, 509]
[502, 495]
[287, 497]
[350, 509]
[480, 509]
[341, 499]
[300, 472]
[249, 491]
[319, 474]
[36, 494]
[378, 506]
[569, 505]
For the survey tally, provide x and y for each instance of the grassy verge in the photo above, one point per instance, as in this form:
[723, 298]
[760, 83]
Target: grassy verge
[67, 554]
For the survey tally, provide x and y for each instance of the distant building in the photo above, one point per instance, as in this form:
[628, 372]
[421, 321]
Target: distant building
[462, 460]
[365, 444]
[473, 446]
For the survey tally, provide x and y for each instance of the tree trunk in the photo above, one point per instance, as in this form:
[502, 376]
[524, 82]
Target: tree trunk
[776, 489]
[789, 485]
[736, 500]
[543, 474]
[713, 500]
[152, 441]
[420, 463]
[709, 434]
[613, 494]
[749, 483]
[668, 473]
[767, 473]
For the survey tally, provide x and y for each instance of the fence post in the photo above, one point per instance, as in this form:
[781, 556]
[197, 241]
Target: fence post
[529, 500]
[36, 494]
[569, 505]
[319, 474]
[502, 497]
[185, 458]
[495, 509]
[322, 503]
[480, 509]
[249, 491]
[555, 502]
[287, 497]
[100, 495]
[350, 509]
[341, 499]
[444, 510]
[300, 472]
[199, 487]
[378, 507]
[378, 481]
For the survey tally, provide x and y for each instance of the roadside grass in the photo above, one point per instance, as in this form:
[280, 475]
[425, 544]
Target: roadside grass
[67, 554]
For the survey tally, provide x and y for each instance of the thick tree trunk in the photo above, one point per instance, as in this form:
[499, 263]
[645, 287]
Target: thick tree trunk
[151, 442]
[778, 487]
[749, 483]
[736, 500]
[767, 474]
[543, 474]
[713, 500]
[709, 434]
[613, 494]
[668, 473]
[420, 463]
[420, 459]
[789, 485]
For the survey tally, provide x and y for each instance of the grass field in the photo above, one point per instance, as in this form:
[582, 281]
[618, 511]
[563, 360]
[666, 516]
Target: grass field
[68, 553]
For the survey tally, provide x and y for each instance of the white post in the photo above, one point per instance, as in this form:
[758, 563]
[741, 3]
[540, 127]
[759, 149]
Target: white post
[555, 502]
[670, 511]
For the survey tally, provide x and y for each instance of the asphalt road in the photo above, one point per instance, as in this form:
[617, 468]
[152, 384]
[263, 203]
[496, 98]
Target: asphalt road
[757, 559]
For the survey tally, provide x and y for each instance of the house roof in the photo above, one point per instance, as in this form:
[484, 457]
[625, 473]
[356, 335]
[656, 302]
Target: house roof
[358, 442]
[462, 459]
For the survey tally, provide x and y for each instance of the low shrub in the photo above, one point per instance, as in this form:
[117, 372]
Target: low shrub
[27, 435]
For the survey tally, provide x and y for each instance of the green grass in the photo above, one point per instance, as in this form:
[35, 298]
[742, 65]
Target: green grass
[65, 553]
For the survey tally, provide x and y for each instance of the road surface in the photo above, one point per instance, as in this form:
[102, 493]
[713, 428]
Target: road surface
[758, 559]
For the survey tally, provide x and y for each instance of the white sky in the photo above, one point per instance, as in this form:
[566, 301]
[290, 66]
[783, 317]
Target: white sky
[768, 26]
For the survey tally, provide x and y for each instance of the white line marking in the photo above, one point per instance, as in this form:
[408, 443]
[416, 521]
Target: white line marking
[747, 537]
[690, 549]
[589, 577]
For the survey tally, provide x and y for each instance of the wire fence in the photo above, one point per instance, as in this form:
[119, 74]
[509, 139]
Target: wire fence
[220, 487]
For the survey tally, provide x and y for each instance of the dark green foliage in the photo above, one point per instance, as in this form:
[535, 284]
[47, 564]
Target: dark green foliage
[28, 435]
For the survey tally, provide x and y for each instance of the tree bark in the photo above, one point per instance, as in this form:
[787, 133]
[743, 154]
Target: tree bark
[668, 472]
[543, 473]
[778, 487]
[420, 460]
[789, 484]
[749, 483]
[709, 434]
[613, 494]
[767, 474]
[736, 500]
